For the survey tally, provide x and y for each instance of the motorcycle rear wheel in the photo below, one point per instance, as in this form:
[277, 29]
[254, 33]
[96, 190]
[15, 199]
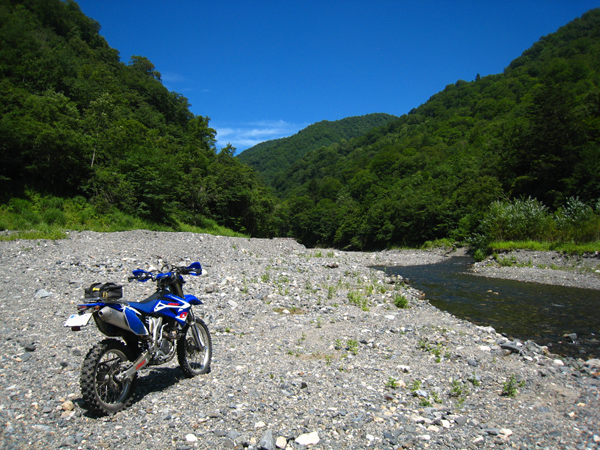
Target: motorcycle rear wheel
[195, 360]
[102, 392]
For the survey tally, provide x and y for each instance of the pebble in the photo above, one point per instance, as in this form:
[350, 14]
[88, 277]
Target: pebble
[308, 439]
[294, 355]
[191, 438]
[267, 442]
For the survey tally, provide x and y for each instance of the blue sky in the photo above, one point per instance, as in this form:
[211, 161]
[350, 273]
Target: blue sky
[262, 70]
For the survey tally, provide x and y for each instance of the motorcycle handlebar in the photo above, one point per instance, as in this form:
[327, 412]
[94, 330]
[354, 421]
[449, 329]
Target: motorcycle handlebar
[194, 269]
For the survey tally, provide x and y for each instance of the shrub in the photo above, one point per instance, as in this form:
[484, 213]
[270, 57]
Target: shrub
[479, 255]
[517, 220]
[509, 389]
[54, 216]
[577, 221]
[528, 219]
[19, 205]
[401, 302]
[28, 219]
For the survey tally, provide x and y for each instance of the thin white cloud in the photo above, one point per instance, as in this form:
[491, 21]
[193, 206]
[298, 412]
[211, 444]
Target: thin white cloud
[170, 77]
[243, 136]
[178, 83]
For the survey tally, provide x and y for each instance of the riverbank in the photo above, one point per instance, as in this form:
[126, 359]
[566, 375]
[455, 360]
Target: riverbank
[309, 346]
[543, 267]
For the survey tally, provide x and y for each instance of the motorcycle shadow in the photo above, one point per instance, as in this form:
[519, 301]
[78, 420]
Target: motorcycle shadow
[157, 379]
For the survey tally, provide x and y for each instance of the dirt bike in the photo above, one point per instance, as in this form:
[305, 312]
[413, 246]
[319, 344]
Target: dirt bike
[150, 332]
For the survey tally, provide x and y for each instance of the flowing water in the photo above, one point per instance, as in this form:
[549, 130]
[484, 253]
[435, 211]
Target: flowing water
[542, 313]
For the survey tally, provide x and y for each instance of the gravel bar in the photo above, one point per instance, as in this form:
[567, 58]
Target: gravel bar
[544, 267]
[310, 351]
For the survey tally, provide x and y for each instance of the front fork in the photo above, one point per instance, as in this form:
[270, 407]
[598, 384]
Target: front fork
[195, 334]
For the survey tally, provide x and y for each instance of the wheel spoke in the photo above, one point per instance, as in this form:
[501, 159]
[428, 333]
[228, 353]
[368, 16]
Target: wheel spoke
[102, 390]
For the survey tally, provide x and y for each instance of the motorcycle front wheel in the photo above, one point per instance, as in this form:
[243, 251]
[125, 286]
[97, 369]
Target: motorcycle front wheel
[194, 357]
[101, 389]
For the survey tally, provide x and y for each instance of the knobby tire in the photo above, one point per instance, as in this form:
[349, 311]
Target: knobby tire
[101, 392]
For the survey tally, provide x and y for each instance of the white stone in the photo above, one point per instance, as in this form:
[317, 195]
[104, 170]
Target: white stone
[191, 438]
[233, 304]
[478, 440]
[66, 414]
[281, 442]
[558, 362]
[490, 330]
[260, 424]
[506, 432]
[308, 438]
[485, 348]
[68, 406]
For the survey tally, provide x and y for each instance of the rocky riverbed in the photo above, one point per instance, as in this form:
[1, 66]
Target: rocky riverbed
[310, 350]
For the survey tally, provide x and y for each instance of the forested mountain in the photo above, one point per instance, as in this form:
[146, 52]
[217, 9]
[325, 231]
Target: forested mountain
[75, 120]
[273, 158]
[78, 123]
[532, 131]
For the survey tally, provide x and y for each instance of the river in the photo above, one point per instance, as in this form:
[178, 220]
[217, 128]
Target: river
[565, 319]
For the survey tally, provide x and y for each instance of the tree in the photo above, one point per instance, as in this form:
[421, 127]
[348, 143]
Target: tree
[546, 151]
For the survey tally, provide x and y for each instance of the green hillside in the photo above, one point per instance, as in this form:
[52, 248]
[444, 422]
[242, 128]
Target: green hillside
[77, 123]
[530, 132]
[273, 158]
[88, 141]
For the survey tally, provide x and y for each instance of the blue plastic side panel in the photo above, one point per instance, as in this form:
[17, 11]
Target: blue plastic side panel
[193, 300]
[134, 322]
[147, 307]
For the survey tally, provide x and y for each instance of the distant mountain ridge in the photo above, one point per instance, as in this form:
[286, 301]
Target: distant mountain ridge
[531, 132]
[272, 158]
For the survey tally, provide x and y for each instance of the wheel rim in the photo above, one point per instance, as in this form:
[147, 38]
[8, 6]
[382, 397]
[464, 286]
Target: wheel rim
[109, 389]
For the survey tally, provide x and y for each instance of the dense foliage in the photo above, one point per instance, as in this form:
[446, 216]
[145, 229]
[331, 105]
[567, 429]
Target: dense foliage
[75, 120]
[532, 131]
[86, 138]
[273, 158]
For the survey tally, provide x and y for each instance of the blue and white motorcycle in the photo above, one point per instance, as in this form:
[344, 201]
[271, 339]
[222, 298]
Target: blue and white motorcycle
[149, 332]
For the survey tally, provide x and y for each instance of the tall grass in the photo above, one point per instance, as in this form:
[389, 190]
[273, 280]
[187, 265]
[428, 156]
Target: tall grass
[527, 223]
[48, 217]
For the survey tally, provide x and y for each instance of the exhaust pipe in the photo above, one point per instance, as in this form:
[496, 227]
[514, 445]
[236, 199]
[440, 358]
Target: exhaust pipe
[126, 320]
[114, 317]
